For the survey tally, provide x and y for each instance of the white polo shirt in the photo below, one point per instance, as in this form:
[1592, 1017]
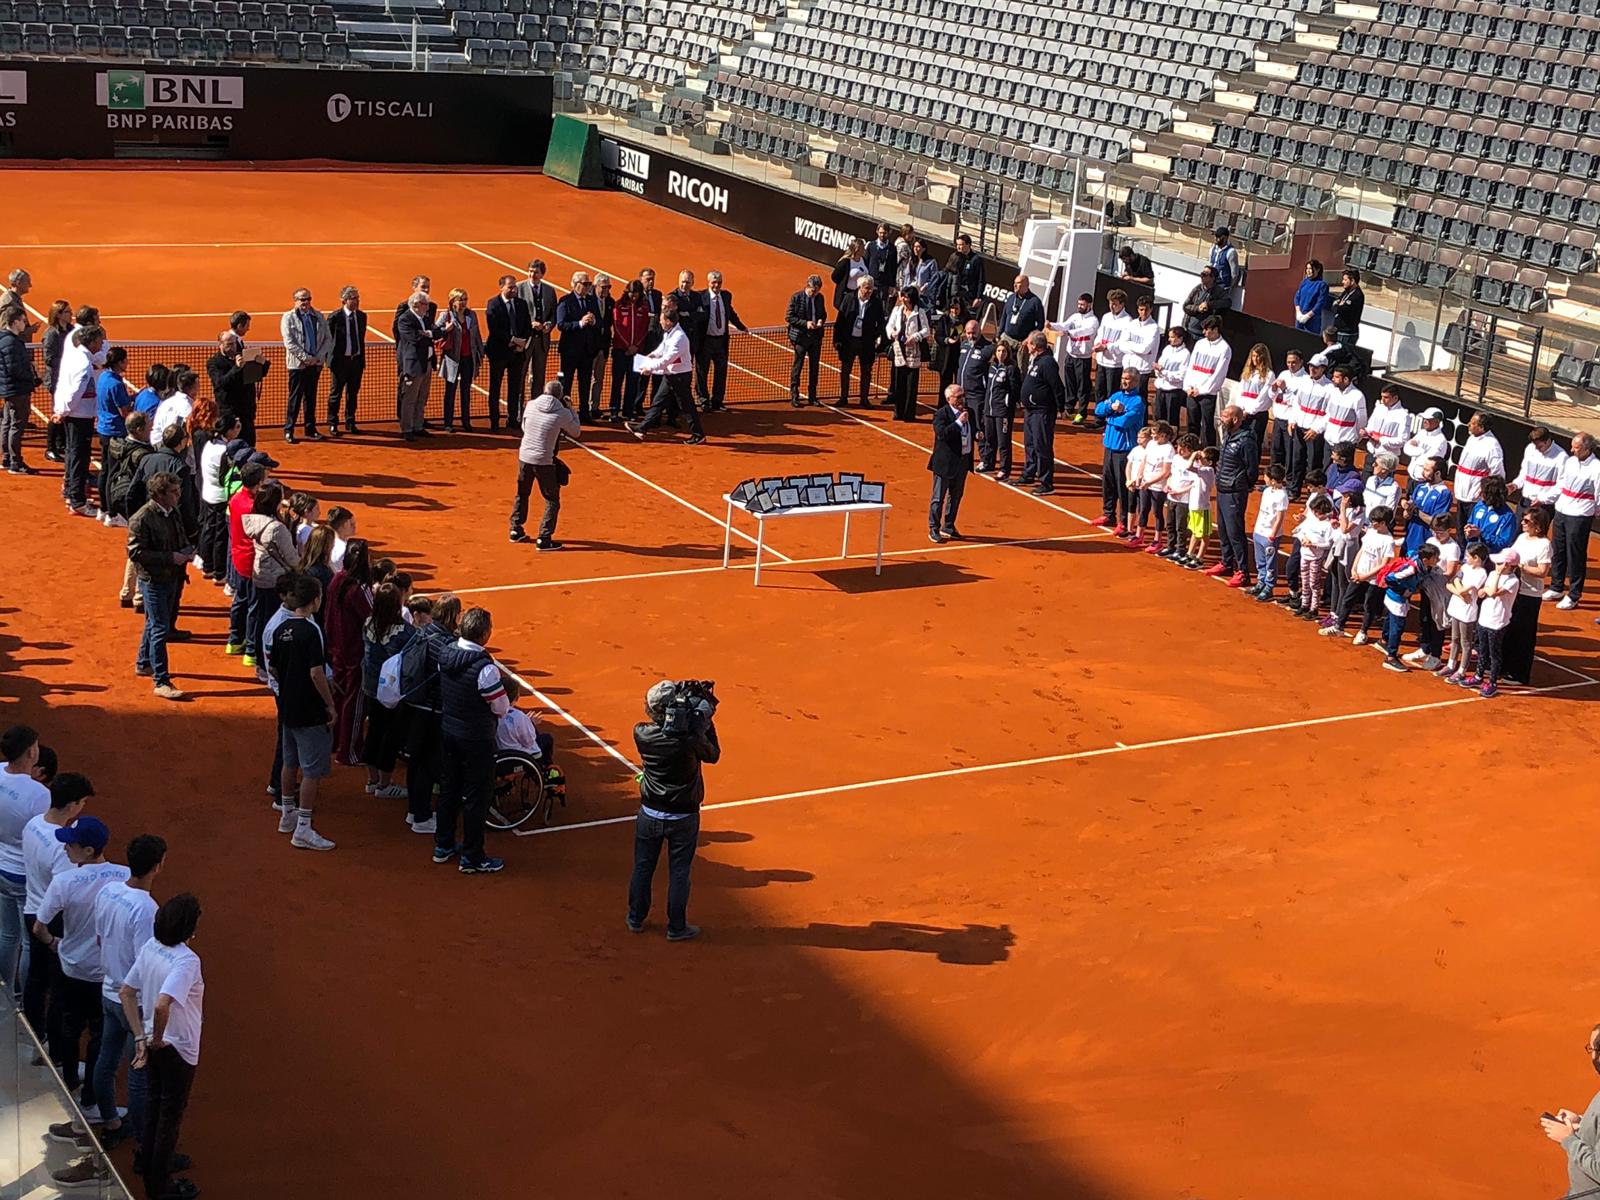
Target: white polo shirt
[1480, 458]
[1539, 478]
[1423, 445]
[1286, 392]
[72, 895]
[1112, 327]
[1387, 428]
[171, 971]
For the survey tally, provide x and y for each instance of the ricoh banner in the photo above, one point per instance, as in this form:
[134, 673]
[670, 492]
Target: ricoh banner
[761, 212]
[96, 111]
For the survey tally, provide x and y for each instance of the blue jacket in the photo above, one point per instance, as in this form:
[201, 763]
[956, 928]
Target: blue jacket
[1429, 500]
[1122, 429]
[1311, 297]
[147, 401]
[111, 400]
[1496, 530]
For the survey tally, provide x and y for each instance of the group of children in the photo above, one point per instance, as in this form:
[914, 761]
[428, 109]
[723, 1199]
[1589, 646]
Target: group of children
[1346, 554]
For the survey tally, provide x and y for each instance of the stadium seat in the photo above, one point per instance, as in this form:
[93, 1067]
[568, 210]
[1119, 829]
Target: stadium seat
[141, 42]
[10, 37]
[1529, 294]
[1575, 367]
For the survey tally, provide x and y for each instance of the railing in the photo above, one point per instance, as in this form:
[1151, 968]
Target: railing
[32, 1098]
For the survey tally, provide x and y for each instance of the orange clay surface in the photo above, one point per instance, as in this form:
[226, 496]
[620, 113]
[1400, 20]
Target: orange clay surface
[1240, 932]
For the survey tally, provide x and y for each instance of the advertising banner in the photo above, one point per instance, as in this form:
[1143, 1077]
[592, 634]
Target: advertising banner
[51, 110]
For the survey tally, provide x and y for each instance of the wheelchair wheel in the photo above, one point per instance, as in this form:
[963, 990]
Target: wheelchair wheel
[519, 794]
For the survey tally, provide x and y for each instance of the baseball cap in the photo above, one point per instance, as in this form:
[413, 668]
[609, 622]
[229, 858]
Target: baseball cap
[85, 831]
[1432, 414]
[1506, 558]
[262, 457]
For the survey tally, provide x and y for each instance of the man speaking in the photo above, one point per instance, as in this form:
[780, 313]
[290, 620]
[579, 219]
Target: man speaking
[543, 423]
[680, 735]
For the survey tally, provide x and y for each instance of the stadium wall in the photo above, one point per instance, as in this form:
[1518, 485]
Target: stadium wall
[771, 216]
[66, 110]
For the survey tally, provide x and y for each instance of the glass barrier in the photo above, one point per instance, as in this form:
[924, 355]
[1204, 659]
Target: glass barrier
[33, 1164]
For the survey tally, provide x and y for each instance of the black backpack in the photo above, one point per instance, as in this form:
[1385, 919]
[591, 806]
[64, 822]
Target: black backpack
[124, 474]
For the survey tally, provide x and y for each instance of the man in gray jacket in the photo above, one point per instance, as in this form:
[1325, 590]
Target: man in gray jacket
[543, 423]
[307, 345]
[1579, 1135]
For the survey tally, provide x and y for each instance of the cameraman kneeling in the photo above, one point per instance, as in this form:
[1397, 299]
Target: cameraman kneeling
[679, 736]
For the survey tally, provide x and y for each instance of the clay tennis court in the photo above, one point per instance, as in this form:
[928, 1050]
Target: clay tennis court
[1033, 867]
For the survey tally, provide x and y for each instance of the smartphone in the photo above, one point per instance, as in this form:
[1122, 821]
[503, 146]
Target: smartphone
[1547, 1116]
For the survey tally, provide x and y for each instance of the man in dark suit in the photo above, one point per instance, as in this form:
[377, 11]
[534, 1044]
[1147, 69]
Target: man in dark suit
[973, 356]
[608, 316]
[653, 298]
[414, 334]
[691, 311]
[419, 283]
[806, 319]
[348, 324]
[951, 461]
[1044, 397]
[578, 319]
[510, 331]
[540, 298]
[881, 260]
[858, 336]
[719, 314]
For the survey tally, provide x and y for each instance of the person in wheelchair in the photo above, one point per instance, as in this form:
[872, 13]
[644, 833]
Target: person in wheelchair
[517, 730]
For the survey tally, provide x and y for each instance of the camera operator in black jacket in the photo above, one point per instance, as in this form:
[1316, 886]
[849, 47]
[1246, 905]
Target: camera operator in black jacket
[680, 735]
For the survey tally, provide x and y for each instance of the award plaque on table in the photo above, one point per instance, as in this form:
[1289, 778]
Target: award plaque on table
[816, 496]
[844, 493]
[788, 497]
[798, 481]
[822, 481]
[744, 493]
[852, 478]
[764, 502]
[771, 485]
[870, 493]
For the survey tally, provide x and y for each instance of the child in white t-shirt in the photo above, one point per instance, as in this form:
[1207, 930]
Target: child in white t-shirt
[1268, 530]
[1495, 598]
[1203, 470]
[1315, 535]
[1462, 613]
[1133, 476]
[1157, 471]
[1179, 482]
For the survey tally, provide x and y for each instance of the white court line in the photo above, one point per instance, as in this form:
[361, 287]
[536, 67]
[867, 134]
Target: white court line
[571, 720]
[216, 245]
[746, 566]
[1052, 759]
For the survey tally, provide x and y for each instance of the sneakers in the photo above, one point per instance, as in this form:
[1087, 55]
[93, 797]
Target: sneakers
[547, 544]
[1429, 663]
[233, 649]
[390, 791]
[1360, 639]
[1488, 691]
[634, 926]
[1119, 531]
[520, 537]
[1454, 677]
[480, 866]
[1567, 604]
[1155, 548]
[1549, 594]
[307, 838]
[1333, 631]
[1134, 543]
[1100, 522]
[85, 1173]
[249, 659]
[694, 440]
[1390, 663]
[687, 934]
[1216, 571]
[287, 819]
[442, 854]
[69, 1134]
[429, 827]
[1415, 656]
[1237, 580]
[166, 691]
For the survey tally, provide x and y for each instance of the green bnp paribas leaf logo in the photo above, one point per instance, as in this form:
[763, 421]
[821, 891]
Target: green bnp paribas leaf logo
[125, 90]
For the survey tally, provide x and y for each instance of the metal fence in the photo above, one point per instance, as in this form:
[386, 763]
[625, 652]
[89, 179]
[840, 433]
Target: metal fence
[759, 365]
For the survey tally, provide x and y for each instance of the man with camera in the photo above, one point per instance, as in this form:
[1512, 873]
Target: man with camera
[680, 735]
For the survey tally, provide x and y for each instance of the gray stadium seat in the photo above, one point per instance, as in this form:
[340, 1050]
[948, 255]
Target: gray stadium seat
[10, 37]
[1575, 367]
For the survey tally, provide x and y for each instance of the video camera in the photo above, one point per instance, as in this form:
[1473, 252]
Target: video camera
[690, 707]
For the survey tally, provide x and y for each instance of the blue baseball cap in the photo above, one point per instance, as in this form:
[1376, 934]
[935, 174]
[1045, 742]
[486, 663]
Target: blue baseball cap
[85, 831]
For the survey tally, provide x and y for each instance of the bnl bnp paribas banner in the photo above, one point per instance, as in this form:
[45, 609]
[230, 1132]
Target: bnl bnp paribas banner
[148, 100]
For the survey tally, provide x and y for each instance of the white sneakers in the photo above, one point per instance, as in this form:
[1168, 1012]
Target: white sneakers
[429, 826]
[1567, 604]
[1416, 656]
[287, 819]
[1360, 639]
[1549, 594]
[309, 839]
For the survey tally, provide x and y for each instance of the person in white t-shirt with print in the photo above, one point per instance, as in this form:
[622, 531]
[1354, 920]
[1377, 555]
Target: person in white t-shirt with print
[22, 798]
[1315, 536]
[1133, 479]
[124, 919]
[43, 858]
[76, 1004]
[1158, 460]
[163, 996]
[1428, 441]
[1496, 597]
[1465, 589]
